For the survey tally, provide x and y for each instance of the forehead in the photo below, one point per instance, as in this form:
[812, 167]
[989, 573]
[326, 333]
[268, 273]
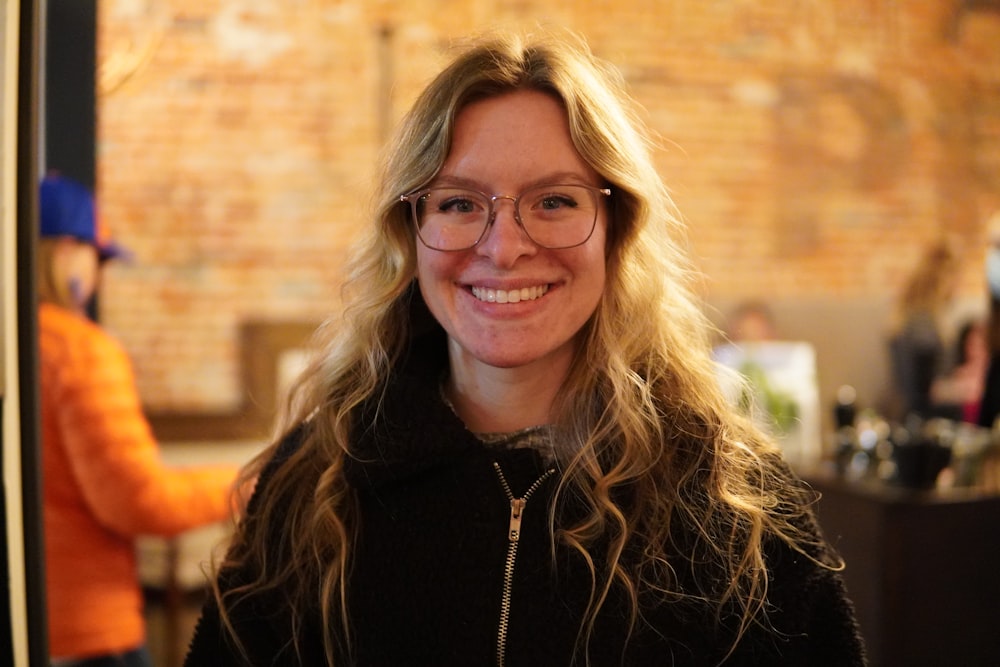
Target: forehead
[515, 137]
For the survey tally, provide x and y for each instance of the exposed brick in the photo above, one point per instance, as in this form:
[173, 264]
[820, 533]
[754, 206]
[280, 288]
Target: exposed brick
[813, 147]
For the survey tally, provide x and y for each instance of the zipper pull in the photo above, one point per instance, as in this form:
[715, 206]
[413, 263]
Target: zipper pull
[516, 508]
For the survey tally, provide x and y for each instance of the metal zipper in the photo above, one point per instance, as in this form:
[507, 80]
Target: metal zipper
[513, 537]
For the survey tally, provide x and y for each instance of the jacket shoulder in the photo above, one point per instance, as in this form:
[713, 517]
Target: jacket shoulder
[68, 336]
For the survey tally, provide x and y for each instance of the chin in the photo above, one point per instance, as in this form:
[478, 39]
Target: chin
[506, 360]
[514, 358]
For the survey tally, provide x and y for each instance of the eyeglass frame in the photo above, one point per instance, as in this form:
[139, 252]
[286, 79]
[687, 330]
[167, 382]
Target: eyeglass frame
[413, 197]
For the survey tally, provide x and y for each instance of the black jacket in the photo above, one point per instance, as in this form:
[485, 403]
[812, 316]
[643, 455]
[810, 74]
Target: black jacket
[427, 585]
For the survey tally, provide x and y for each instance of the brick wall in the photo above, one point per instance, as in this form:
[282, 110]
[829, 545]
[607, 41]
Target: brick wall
[814, 147]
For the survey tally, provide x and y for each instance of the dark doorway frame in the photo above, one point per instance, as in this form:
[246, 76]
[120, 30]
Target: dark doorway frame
[56, 129]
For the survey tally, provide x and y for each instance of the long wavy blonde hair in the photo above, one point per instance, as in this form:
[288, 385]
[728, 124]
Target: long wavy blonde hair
[641, 405]
[931, 286]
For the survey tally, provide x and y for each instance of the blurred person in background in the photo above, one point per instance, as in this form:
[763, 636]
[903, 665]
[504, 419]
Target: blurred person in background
[103, 481]
[751, 322]
[989, 408]
[917, 338]
[958, 393]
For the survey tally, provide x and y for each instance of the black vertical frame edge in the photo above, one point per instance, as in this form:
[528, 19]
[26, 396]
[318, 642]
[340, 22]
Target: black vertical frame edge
[28, 102]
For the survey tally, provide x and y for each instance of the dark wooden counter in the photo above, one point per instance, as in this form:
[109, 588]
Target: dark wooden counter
[923, 570]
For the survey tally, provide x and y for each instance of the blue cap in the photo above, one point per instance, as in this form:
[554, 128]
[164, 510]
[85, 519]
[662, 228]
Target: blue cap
[67, 209]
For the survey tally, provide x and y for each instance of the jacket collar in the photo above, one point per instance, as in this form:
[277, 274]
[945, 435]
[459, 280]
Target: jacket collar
[408, 428]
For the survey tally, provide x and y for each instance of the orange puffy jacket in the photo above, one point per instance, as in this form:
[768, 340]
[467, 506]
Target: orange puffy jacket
[104, 484]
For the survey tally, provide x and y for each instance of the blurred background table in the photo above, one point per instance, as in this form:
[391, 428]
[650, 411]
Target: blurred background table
[923, 570]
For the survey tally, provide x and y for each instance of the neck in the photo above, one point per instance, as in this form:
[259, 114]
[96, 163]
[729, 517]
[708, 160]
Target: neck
[501, 400]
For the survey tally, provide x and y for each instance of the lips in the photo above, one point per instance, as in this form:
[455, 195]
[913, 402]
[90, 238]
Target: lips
[490, 295]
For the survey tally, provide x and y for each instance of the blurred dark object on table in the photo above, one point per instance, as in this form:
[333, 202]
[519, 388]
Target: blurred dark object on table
[918, 463]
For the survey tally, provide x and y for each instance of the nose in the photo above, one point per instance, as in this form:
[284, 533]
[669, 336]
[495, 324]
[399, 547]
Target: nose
[505, 240]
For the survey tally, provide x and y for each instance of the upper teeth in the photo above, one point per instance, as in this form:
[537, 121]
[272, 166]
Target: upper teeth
[509, 296]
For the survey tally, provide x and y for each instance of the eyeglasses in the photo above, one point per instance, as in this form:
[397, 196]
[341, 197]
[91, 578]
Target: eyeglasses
[553, 216]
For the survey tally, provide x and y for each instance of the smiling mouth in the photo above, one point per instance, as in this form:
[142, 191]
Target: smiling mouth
[509, 296]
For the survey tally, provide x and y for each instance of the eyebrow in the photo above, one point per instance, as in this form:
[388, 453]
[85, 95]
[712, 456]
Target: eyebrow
[557, 178]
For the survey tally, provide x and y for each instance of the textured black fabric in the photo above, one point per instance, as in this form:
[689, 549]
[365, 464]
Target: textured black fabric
[427, 581]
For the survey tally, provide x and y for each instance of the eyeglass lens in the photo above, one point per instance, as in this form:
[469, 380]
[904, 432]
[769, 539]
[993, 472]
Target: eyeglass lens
[553, 216]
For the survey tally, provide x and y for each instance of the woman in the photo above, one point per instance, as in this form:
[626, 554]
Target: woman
[961, 389]
[989, 405]
[917, 341]
[103, 482]
[513, 449]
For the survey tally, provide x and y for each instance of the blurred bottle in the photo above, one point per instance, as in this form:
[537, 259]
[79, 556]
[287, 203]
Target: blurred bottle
[845, 411]
[845, 436]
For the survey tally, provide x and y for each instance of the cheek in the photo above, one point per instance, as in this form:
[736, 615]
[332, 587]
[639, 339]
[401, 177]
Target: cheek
[435, 273]
[81, 270]
[85, 268]
[599, 281]
[426, 269]
[596, 260]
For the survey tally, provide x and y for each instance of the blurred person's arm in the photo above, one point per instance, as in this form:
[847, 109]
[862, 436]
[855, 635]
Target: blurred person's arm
[115, 458]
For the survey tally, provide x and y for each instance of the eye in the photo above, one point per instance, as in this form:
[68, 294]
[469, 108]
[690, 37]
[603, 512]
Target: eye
[458, 205]
[455, 202]
[556, 200]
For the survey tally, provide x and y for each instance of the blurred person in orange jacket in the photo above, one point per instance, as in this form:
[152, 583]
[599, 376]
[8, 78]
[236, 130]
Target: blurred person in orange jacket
[103, 481]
